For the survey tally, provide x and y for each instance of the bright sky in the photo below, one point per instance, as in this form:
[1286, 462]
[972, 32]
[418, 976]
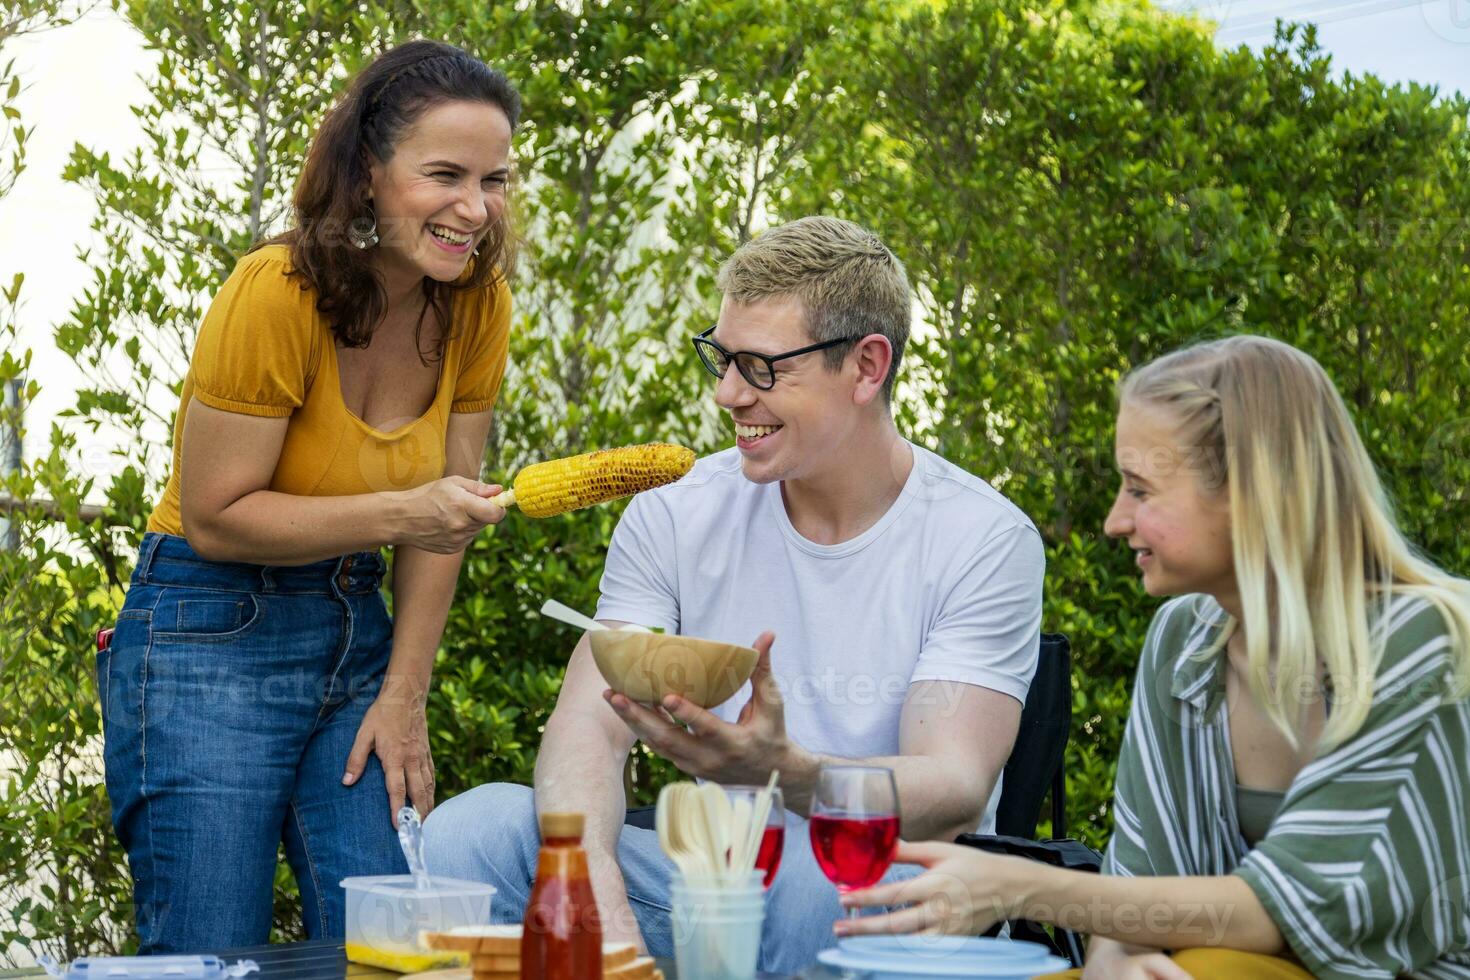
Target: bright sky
[80, 82]
[83, 79]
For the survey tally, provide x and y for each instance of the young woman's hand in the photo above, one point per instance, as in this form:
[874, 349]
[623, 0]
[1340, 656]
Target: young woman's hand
[964, 892]
[445, 515]
[1109, 960]
[396, 730]
[1144, 966]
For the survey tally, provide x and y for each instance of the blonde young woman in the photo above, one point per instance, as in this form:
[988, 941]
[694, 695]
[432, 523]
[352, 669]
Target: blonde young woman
[1291, 793]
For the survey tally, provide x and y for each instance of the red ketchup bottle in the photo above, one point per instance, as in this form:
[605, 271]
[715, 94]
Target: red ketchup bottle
[561, 938]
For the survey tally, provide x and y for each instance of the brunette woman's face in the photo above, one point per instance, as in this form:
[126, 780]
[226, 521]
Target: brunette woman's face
[442, 191]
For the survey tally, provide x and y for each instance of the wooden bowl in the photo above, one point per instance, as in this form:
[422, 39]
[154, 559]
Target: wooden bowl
[646, 667]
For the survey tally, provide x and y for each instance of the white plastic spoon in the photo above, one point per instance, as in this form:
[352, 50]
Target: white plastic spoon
[716, 807]
[740, 827]
[690, 829]
[664, 818]
[570, 616]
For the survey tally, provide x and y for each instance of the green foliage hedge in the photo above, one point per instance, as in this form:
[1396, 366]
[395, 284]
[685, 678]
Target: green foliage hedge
[1074, 188]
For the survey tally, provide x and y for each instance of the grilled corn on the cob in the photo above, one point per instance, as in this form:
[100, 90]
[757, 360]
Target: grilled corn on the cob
[560, 485]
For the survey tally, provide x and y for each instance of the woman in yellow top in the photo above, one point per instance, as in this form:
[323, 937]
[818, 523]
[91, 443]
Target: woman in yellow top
[256, 692]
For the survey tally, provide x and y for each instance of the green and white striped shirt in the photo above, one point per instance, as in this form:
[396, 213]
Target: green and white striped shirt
[1366, 869]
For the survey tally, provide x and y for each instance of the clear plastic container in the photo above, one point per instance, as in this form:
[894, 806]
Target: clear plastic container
[718, 896]
[385, 915]
[717, 931]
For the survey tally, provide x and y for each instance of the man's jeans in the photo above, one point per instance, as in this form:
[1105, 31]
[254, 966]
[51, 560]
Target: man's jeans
[489, 834]
[231, 696]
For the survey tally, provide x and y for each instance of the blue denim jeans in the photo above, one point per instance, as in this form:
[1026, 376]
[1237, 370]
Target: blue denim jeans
[489, 834]
[231, 695]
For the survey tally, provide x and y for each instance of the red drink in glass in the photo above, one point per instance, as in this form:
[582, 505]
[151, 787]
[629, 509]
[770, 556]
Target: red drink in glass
[854, 825]
[768, 858]
[854, 852]
[773, 836]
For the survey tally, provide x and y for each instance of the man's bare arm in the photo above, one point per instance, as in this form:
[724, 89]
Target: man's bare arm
[580, 769]
[954, 740]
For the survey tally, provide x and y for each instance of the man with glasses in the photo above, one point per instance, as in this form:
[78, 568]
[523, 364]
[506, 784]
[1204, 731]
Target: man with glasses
[894, 598]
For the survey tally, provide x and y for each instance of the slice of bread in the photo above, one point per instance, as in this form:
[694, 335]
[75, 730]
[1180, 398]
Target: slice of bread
[502, 940]
[494, 963]
[457, 973]
[640, 968]
[617, 954]
[495, 951]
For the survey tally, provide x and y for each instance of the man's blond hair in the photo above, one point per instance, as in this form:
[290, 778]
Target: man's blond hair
[848, 282]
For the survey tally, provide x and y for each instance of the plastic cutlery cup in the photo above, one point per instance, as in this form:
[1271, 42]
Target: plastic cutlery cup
[717, 931]
[718, 895]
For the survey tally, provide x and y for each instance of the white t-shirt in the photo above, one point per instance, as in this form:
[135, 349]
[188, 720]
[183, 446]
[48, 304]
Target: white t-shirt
[945, 586]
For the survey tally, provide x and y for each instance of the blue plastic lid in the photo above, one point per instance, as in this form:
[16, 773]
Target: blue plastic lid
[907, 958]
[949, 949]
[150, 968]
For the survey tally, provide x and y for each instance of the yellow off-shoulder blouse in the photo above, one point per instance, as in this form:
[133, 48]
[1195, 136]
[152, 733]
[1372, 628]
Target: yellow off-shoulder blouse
[265, 350]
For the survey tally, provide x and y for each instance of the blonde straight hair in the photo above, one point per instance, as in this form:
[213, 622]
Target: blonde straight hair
[1317, 551]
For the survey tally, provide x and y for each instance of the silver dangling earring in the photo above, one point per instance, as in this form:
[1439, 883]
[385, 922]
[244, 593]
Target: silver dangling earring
[363, 232]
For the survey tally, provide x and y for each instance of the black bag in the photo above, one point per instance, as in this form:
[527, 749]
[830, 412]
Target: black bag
[1066, 852]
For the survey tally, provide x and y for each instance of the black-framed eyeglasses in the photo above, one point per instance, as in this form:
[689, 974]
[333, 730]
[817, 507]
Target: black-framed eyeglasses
[758, 369]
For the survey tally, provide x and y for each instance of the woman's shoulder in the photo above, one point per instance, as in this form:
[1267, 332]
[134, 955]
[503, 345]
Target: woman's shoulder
[265, 277]
[487, 300]
[482, 314]
[269, 266]
[277, 253]
[260, 320]
[1414, 634]
[1186, 622]
[1174, 651]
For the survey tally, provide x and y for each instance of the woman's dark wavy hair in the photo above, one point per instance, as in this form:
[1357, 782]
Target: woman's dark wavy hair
[368, 122]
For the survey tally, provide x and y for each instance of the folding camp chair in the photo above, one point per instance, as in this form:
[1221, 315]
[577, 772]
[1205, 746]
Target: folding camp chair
[1034, 769]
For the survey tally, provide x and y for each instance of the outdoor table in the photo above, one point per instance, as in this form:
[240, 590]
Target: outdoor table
[326, 960]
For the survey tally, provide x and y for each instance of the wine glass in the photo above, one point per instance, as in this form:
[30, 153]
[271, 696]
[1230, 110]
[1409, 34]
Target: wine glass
[773, 838]
[854, 825]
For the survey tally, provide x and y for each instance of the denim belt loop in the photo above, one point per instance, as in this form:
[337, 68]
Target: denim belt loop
[267, 578]
[343, 574]
[146, 554]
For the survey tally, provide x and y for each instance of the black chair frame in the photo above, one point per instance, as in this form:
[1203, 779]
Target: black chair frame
[1035, 770]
